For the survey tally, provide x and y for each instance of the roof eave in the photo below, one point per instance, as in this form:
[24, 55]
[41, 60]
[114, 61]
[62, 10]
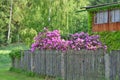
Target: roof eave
[107, 4]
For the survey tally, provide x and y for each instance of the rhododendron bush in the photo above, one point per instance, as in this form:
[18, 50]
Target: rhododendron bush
[51, 40]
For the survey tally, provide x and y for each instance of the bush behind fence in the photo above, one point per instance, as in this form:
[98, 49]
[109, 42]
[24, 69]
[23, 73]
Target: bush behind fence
[72, 65]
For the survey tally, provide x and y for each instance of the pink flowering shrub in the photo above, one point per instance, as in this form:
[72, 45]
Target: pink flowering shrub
[84, 41]
[51, 40]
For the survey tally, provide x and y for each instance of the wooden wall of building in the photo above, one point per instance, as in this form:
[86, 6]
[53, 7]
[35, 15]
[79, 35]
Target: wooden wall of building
[106, 27]
[110, 26]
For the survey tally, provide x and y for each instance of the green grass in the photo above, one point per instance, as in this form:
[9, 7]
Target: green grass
[5, 64]
[5, 74]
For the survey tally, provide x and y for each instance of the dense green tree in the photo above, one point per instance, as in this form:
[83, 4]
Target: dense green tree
[36, 14]
[4, 20]
[19, 7]
[9, 25]
[11, 20]
[56, 14]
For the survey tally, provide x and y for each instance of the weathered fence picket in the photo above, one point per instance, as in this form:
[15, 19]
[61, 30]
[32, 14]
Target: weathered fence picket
[72, 65]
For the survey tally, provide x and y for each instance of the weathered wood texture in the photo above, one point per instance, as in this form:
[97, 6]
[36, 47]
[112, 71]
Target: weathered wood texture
[106, 27]
[72, 65]
[115, 65]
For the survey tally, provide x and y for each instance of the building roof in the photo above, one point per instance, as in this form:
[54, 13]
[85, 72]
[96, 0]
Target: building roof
[102, 5]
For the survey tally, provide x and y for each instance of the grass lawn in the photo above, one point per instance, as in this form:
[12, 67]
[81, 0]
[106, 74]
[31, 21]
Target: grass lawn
[5, 74]
[5, 64]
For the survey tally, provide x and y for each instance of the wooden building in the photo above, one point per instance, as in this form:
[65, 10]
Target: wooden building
[104, 17]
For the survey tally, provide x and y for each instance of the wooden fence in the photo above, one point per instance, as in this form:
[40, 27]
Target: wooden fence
[72, 65]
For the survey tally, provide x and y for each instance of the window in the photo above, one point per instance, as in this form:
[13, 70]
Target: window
[101, 17]
[115, 15]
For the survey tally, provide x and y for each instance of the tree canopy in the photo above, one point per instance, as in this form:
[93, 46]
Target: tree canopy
[36, 14]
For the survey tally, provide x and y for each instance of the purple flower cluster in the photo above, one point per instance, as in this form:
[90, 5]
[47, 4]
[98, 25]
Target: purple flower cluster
[51, 40]
[84, 41]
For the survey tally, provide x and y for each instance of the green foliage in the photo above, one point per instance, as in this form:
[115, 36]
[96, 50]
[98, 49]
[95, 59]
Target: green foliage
[27, 35]
[15, 54]
[56, 15]
[4, 59]
[4, 17]
[36, 14]
[111, 39]
[10, 47]
[90, 16]
[17, 16]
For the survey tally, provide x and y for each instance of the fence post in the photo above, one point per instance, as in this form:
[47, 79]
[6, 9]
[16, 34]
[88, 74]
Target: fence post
[107, 66]
[21, 60]
[62, 66]
[13, 62]
[32, 65]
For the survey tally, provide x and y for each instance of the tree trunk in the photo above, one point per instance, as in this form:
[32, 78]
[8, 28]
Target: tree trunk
[9, 25]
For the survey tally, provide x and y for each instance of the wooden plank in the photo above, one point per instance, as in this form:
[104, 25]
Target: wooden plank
[84, 64]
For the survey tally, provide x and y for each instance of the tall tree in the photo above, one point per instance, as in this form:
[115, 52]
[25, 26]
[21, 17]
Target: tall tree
[56, 14]
[19, 8]
[9, 26]
[36, 14]
[4, 20]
